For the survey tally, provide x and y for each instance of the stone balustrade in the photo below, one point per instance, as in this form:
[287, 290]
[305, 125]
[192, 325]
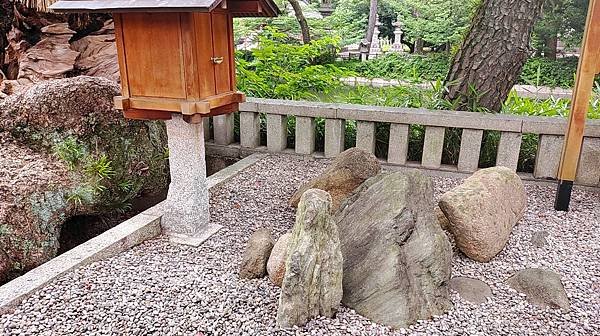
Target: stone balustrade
[511, 128]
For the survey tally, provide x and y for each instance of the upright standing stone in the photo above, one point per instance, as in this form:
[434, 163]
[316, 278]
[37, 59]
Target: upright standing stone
[397, 259]
[312, 285]
[186, 215]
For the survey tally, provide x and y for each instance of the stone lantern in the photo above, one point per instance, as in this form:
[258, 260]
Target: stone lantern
[176, 60]
[397, 46]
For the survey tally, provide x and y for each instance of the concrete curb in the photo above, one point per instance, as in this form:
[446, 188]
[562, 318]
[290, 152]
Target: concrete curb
[122, 237]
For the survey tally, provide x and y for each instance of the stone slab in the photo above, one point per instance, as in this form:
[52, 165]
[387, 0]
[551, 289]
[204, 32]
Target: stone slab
[433, 147]
[548, 155]
[398, 143]
[335, 130]
[249, 129]
[365, 136]
[223, 129]
[508, 150]
[276, 132]
[305, 135]
[470, 147]
[588, 170]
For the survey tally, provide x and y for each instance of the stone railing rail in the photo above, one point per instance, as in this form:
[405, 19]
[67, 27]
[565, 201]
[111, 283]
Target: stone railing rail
[550, 130]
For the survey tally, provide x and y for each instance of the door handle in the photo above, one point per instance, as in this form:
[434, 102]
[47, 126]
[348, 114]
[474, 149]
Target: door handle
[217, 60]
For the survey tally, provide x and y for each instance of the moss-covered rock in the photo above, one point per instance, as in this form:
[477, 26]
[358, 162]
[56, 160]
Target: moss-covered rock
[65, 151]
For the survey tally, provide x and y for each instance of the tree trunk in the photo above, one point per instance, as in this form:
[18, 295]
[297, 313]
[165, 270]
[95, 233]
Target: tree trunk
[419, 46]
[551, 47]
[493, 53]
[372, 21]
[301, 20]
[6, 20]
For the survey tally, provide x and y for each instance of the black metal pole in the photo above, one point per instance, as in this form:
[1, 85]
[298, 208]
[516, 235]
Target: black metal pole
[563, 195]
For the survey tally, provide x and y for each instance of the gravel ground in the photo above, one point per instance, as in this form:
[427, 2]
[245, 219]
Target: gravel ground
[159, 288]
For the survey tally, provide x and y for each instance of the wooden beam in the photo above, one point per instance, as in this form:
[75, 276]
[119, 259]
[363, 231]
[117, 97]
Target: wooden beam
[146, 114]
[187, 107]
[589, 66]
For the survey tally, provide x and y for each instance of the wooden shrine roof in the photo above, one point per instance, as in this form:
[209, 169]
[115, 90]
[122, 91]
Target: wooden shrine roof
[239, 8]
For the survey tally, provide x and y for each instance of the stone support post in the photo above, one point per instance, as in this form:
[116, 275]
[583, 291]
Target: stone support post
[186, 217]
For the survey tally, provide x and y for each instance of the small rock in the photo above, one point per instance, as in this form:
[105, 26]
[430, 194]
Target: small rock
[471, 290]
[312, 285]
[542, 287]
[483, 210]
[256, 255]
[276, 263]
[348, 171]
[538, 238]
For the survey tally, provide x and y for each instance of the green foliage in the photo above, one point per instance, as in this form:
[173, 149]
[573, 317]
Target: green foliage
[4, 230]
[551, 107]
[545, 72]
[436, 21]
[288, 71]
[564, 19]
[81, 195]
[537, 71]
[408, 67]
[70, 151]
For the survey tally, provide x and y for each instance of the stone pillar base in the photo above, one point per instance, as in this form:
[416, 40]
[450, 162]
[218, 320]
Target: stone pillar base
[186, 217]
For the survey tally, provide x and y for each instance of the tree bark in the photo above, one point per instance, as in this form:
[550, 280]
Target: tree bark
[301, 20]
[372, 21]
[419, 46]
[551, 47]
[493, 53]
[6, 20]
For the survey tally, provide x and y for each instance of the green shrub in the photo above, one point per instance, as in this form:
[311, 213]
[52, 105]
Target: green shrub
[545, 72]
[277, 69]
[407, 67]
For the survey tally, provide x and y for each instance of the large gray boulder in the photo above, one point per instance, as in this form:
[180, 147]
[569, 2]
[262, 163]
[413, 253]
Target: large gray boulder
[312, 285]
[397, 259]
[343, 176]
[542, 287]
[276, 262]
[483, 210]
[256, 255]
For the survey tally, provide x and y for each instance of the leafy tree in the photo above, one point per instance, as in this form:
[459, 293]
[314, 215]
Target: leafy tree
[561, 19]
[436, 22]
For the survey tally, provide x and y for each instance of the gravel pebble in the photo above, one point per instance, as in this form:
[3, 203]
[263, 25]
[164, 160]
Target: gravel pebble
[159, 288]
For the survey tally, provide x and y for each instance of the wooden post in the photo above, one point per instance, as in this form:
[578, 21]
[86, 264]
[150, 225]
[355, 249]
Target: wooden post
[589, 66]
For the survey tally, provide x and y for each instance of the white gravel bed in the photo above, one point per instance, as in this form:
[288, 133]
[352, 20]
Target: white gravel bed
[159, 288]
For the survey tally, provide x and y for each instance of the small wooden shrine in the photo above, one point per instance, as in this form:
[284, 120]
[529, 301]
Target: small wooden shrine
[175, 56]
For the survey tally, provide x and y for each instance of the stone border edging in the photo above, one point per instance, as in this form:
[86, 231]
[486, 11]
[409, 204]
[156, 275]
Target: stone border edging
[122, 237]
